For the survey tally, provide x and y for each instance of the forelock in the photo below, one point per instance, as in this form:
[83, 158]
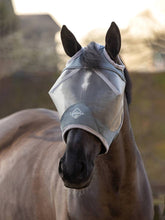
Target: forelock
[91, 56]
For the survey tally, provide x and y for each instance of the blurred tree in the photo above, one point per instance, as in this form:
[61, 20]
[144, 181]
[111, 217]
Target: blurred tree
[97, 35]
[8, 19]
[30, 46]
[158, 46]
[143, 43]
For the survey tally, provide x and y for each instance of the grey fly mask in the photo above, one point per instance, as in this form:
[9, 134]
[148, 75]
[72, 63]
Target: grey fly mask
[91, 98]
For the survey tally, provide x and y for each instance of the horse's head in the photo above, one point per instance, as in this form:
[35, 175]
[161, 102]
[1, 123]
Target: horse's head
[89, 98]
[77, 164]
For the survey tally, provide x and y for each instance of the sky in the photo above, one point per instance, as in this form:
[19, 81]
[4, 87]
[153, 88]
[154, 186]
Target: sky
[83, 16]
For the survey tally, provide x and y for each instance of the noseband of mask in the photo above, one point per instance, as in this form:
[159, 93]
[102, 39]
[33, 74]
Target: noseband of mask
[80, 116]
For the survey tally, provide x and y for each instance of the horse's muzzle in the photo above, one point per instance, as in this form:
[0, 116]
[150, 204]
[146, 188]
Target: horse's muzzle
[75, 174]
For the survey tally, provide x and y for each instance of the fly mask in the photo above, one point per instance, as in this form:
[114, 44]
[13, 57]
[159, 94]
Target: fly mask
[91, 98]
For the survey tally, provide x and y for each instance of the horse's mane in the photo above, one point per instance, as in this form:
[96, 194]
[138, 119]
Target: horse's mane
[128, 88]
[91, 59]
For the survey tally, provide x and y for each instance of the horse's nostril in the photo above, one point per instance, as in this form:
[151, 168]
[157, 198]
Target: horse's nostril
[61, 166]
[81, 167]
[81, 171]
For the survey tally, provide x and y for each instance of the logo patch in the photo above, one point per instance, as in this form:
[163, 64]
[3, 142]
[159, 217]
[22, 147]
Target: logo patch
[76, 113]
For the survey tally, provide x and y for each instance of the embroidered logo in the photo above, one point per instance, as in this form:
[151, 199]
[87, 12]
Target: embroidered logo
[76, 113]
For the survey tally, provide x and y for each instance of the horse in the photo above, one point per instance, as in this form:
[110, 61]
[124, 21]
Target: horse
[46, 177]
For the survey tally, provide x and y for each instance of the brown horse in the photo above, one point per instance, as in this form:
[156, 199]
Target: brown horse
[104, 186]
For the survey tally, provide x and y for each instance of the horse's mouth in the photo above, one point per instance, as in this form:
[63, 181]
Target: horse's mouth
[77, 178]
[77, 185]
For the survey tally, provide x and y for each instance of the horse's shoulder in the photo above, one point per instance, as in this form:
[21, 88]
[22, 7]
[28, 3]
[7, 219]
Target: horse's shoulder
[24, 122]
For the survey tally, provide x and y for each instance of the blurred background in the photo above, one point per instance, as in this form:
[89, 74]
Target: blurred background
[31, 59]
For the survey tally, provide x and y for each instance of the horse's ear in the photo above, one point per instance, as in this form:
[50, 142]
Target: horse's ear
[70, 44]
[113, 41]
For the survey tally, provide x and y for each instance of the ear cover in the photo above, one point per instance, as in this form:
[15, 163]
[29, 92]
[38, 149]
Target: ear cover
[113, 41]
[70, 44]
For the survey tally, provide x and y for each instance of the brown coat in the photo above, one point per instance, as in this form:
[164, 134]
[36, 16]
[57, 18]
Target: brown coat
[31, 189]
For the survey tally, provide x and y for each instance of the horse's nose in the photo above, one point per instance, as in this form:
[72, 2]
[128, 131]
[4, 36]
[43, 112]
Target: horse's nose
[61, 167]
[73, 169]
[73, 173]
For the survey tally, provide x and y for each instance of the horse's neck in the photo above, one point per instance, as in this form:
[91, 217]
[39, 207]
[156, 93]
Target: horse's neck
[114, 179]
[118, 183]
[119, 165]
